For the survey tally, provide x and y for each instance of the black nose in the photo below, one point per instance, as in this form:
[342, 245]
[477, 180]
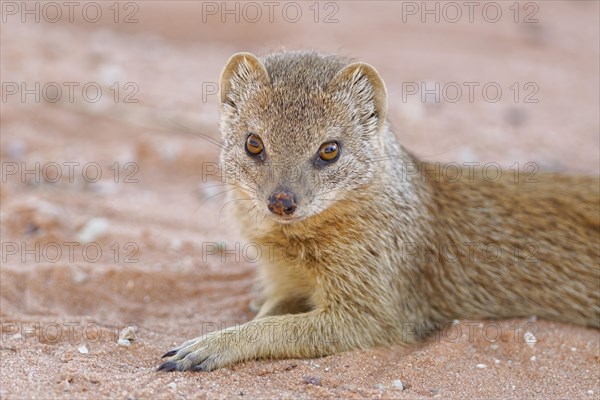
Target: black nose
[282, 203]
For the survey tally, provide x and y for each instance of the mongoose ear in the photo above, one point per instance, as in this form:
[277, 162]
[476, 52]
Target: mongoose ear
[361, 84]
[242, 70]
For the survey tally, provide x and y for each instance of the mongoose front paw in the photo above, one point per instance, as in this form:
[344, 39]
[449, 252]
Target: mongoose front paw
[304, 335]
[205, 353]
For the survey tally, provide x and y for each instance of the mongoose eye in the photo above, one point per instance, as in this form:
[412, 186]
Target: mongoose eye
[329, 152]
[254, 145]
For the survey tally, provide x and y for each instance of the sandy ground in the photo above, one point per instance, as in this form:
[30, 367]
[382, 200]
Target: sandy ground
[84, 255]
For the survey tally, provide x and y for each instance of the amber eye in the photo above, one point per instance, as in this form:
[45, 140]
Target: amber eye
[254, 145]
[329, 151]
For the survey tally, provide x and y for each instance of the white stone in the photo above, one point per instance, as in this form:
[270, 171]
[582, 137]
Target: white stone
[126, 336]
[530, 339]
[93, 229]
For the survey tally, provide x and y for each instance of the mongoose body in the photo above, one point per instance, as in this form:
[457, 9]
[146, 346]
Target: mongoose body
[371, 246]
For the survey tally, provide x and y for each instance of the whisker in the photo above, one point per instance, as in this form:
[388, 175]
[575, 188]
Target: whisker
[217, 194]
[264, 216]
[324, 193]
[204, 136]
[227, 202]
[240, 183]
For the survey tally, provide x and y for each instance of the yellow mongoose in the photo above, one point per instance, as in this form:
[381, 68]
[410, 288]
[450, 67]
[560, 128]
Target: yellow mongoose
[382, 252]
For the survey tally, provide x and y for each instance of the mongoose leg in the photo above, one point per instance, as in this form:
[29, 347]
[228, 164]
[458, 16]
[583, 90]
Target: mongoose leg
[304, 335]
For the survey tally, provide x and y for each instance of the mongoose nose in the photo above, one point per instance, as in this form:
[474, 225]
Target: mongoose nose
[282, 203]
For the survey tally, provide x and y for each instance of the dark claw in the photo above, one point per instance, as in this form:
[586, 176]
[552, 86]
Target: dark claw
[169, 353]
[168, 366]
[197, 368]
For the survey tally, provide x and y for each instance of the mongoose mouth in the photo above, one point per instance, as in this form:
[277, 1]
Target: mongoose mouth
[286, 220]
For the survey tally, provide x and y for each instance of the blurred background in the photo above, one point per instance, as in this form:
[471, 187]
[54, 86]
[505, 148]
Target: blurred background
[106, 110]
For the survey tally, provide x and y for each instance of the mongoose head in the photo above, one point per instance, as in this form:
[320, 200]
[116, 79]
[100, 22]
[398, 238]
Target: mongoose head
[300, 130]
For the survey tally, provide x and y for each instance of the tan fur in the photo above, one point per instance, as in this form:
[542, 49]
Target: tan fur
[385, 250]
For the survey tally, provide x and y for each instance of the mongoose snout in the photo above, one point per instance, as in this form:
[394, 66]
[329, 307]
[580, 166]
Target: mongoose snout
[282, 203]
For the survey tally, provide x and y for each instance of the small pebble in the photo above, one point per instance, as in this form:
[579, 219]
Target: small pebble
[93, 229]
[515, 116]
[398, 384]
[172, 385]
[532, 358]
[79, 275]
[312, 380]
[104, 187]
[83, 349]
[126, 336]
[175, 244]
[481, 366]
[16, 149]
[169, 151]
[110, 73]
[530, 339]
